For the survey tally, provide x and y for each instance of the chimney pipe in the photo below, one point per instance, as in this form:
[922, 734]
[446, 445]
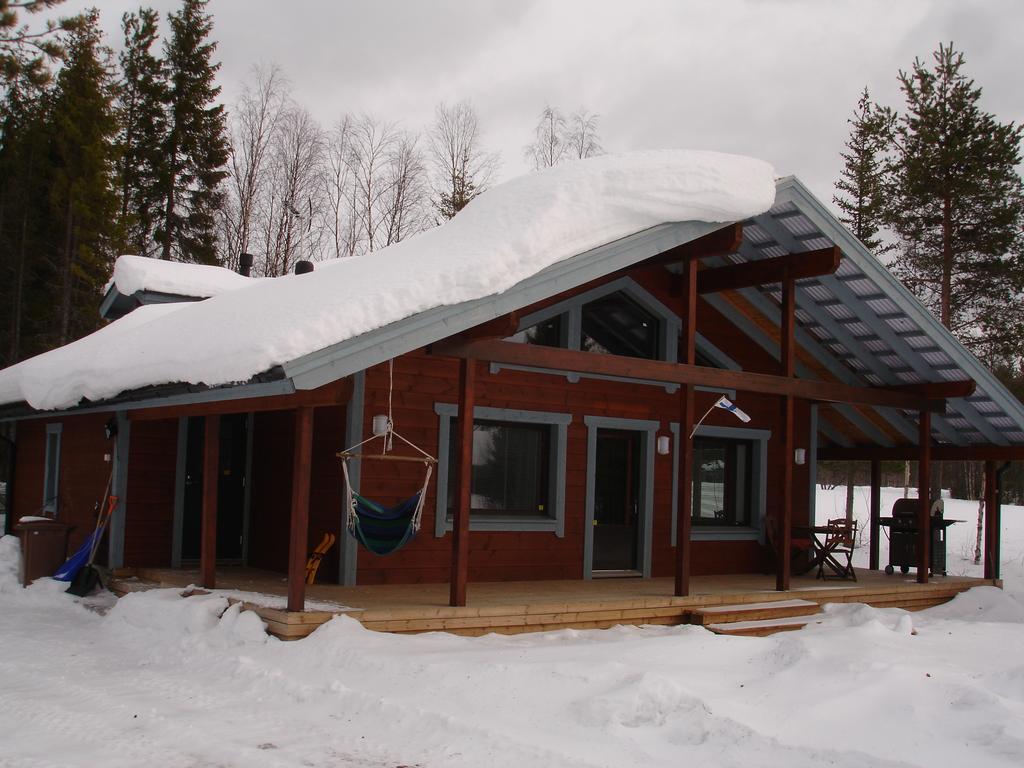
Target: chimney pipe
[302, 267]
[244, 264]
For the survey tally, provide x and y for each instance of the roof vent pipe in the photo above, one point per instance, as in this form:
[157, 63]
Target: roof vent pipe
[245, 264]
[302, 267]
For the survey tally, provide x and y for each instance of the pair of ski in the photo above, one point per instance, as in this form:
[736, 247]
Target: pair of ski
[313, 564]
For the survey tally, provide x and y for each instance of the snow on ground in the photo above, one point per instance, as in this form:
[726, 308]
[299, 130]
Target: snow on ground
[153, 679]
[505, 235]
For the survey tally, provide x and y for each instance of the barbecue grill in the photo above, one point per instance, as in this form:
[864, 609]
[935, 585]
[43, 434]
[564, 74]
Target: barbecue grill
[903, 536]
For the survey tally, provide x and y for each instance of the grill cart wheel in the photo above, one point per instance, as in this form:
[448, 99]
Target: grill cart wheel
[889, 570]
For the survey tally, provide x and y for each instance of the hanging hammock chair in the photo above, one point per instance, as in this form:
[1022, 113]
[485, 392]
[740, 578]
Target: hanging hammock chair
[384, 530]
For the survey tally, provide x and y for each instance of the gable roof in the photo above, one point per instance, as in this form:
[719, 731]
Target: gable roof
[561, 226]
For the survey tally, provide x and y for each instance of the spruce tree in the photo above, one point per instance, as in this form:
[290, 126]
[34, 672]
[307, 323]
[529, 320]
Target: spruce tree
[195, 149]
[142, 109]
[862, 197]
[958, 207]
[83, 126]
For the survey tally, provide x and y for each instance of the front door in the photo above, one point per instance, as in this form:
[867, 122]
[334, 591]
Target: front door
[230, 488]
[617, 489]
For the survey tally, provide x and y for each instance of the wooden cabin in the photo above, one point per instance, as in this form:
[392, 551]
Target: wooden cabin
[586, 381]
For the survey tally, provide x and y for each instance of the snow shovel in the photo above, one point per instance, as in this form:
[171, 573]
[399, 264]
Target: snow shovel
[88, 578]
[83, 555]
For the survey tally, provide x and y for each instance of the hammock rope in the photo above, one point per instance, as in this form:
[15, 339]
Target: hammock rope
[384, 530]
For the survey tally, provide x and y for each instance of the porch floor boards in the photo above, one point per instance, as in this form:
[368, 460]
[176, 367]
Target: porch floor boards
[533, 606]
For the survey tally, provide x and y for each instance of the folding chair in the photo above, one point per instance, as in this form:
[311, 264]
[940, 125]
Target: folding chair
[837, 552]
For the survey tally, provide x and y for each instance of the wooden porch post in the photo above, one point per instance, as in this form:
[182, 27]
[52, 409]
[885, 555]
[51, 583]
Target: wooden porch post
[991, 522]
[298, 543]
[876, 512]
[460, 526]
[688, 348]
[924, 471]
[787, 357]
[208, 524]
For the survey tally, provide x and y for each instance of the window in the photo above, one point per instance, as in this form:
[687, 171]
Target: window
[615, 324]
[511, 465]
[546, 333]
[51, 476]
[518, 481]
[722, 482]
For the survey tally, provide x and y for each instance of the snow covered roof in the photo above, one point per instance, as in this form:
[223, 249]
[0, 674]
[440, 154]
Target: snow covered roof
[569, 224]
[138, 280]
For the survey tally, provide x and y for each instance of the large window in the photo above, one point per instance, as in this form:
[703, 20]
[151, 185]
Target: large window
[511, 464]
[518, 481]
[615, 324]
[723, 472]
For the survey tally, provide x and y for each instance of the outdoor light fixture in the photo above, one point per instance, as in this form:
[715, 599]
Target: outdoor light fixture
[380, 425]
[800, 456]
[663, 445]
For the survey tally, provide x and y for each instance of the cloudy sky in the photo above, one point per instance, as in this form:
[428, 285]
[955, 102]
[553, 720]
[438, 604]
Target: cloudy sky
[775, 79]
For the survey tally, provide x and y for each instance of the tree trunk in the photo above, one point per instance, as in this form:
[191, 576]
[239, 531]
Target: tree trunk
[906, 479]
[981, 523]
[66, 271]
[17, 305]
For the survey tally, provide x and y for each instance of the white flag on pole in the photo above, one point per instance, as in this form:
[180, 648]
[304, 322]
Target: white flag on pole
[727, 405]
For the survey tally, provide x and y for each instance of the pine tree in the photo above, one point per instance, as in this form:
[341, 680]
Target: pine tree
[24, 204]
[83, 126]
[958, 207]
[196, 146]
[24, 52]
[862, 197]
[142, 97]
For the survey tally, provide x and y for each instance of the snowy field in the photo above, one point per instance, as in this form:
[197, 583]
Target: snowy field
[157, 681]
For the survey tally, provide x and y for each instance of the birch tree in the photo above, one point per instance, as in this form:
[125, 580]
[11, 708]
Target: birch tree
[461, 167]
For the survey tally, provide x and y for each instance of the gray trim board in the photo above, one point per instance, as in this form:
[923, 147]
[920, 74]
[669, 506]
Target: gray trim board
[348, 552]
[52, 471]
[554, 521]
[214, 395]
[368, 349]
[650, 428]
[119, 488]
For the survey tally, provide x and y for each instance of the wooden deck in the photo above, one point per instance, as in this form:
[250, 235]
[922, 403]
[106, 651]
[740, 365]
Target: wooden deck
[536, 606]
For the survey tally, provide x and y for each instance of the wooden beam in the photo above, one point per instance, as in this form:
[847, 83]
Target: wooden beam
[335, 393]
[910, 453]
[876, 513]
[924, 521]
[751, 274]
[991, 522]
[208, 524]
[787, 363]
[464, 479]
[553, 358]
[724, 240]
[298, 542]
[684, 512]
[938, 390]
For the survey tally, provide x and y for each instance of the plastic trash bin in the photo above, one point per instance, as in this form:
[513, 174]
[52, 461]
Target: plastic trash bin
[44, 546]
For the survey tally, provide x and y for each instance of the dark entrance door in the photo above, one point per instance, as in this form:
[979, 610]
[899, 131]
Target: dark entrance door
[617, 501]
[234, 442]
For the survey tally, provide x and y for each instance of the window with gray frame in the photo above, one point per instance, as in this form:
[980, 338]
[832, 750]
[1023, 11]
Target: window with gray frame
[51, 474]
[723, 475]
[518, 480]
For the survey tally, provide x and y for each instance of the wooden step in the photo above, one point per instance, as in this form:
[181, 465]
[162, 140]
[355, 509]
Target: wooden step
[747, 612]
[760, 628]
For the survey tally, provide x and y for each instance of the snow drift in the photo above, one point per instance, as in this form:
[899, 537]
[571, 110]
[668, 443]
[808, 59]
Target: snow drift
[502, 237]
